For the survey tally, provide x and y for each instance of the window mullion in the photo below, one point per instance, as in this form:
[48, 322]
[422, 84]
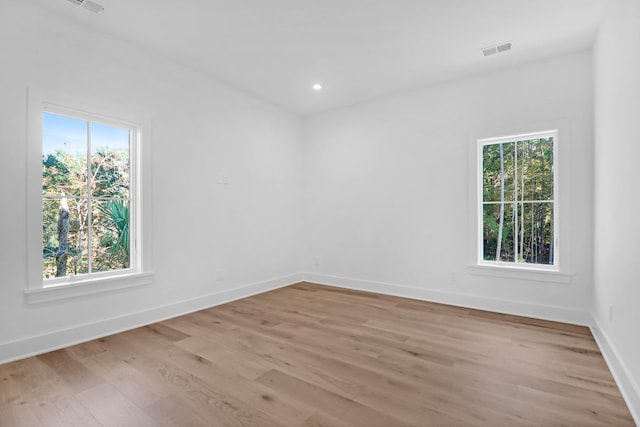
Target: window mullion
[89, 202]
[133, 243]
[521, 210]
[515, 202]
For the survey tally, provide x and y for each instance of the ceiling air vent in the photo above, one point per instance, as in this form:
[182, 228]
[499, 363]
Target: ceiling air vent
[492, 50]
[89, 5]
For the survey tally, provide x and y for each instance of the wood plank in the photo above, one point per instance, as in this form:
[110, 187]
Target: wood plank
[340, 407]
[207, 398]
[72, 371]
[172, 411]
[323, 420]
[88, 349]
[19, 415]
[65, 412]
[137, 387]
[112, 409]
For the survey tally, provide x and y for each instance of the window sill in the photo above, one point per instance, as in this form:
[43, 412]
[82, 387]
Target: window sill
[87, 287]
[521, 273]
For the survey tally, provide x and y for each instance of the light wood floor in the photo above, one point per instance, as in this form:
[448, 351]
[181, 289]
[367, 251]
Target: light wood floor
[310, 355]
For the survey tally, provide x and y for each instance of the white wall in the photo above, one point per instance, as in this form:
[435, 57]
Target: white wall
[617, 151]
[200, 128]
[388, 188]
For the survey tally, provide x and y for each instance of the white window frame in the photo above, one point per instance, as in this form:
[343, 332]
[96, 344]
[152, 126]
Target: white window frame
[521, 273]
[480, 205]
[134, 143]
[139, 272]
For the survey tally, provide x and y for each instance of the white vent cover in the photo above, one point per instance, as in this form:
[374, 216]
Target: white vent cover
[89, 5]
[492, 50]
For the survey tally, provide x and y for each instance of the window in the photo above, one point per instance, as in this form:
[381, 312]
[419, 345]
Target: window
[88, 198]
[518, 208]
[87, 188]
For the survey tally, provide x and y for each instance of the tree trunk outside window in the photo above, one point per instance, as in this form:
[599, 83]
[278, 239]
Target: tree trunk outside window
[63, 239]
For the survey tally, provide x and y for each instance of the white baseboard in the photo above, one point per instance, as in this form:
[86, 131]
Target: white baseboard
[558, 314]
[627, 385]
[20, 349]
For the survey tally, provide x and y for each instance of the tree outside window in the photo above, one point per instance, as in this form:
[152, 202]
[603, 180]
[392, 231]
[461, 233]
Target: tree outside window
[518, 200]
[86, 196]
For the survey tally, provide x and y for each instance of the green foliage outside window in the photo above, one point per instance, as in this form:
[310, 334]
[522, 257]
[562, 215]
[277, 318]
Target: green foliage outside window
[85, 206]
[518, 201]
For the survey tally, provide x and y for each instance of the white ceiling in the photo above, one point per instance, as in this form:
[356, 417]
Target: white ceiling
[357, 49]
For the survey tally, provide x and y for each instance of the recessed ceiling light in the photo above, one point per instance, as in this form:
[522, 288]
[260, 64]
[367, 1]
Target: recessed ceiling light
[317, 86]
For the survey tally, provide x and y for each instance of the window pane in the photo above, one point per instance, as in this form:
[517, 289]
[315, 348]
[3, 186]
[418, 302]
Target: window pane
[50, 209]
[64, 155]
[491, 173]
[535, 158]
[110, 235]
[493, 237]
[109, 161]
[494, 166]
[64, 237]
[537, 237]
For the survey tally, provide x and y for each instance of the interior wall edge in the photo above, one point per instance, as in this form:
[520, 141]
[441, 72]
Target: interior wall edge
[629, 389]
[32, 346]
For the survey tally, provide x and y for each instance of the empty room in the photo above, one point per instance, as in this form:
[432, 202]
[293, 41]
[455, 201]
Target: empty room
[319, 213]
